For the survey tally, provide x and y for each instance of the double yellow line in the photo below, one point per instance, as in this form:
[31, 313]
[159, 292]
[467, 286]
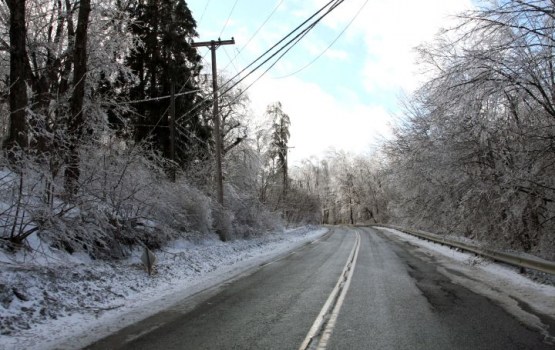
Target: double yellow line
[322, 328]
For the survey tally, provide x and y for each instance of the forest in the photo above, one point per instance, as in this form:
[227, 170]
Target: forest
[108, 135]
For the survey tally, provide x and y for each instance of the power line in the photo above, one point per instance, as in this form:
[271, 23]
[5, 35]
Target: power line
[160, 98]
[228, 17]
[197, 64]
[230, 60]
[203, 13]
[330, 45]
[288, 46]
[255, 32]
[328, 8]
[334, 2]
[270, 67]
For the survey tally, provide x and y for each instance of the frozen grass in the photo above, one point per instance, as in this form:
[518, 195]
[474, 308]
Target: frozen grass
[55, 300]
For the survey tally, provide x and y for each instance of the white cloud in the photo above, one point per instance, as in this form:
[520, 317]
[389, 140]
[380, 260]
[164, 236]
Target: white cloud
[316, 48]
[391, 29]
[392, 38]
[319, 120]
[337, 54]
[381, 41]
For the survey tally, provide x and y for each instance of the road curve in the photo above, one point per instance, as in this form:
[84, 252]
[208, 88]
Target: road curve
[395, 299]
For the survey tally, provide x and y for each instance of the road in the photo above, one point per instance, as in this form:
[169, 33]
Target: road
[389, 296]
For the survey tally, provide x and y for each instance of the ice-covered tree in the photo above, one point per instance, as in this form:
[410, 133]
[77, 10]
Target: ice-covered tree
[475, 154]
[280, 139]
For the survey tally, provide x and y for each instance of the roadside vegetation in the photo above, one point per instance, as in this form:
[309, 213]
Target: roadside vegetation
[95, 161]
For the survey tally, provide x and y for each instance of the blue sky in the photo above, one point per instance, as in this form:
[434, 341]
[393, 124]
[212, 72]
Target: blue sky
[348, 98]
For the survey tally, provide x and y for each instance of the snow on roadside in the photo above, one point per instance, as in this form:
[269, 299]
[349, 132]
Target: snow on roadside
[72, 303]
[498, 282]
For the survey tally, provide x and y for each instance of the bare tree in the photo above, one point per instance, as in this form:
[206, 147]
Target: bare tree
[475, 154]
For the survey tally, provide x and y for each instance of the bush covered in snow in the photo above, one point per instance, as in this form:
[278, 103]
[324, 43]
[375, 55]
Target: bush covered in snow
[125, 198]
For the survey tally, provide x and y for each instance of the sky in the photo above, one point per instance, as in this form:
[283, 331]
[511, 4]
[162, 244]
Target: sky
[349, 98]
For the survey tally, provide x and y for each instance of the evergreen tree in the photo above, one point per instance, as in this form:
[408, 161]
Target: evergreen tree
[165, 28]
[280, 138]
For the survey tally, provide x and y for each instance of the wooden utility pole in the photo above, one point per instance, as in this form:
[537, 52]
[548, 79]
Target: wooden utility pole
[213, 45]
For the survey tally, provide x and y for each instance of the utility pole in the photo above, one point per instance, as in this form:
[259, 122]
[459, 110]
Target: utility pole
[213, 45]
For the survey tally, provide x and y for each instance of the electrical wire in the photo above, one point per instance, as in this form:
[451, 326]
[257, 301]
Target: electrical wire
[160, 98]
[334, 2]
[203, 13]
[230, 60]
[330, 45]
[228, 17]
[287, 47]
[255, 33]
[163, 115]
[328, 8]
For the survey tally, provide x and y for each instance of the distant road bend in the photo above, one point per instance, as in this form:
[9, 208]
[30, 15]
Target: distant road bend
[355, 288]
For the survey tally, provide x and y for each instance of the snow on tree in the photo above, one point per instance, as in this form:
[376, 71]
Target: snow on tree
[280, 139]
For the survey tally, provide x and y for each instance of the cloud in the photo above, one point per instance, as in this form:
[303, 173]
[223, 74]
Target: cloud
[337, 54]
[375, 56]
[319, 120]
[390, 31]
[316, 47]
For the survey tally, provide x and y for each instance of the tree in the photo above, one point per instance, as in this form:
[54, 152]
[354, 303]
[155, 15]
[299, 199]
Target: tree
[165, 56]
[17, 134]
[49, 65]
[77, 118]
[234, 113]
[280, 138]
[475, 154]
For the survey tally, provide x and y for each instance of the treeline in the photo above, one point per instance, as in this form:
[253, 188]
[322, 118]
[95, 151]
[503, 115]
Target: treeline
[474, 153]
[349, 189]
[93, 159]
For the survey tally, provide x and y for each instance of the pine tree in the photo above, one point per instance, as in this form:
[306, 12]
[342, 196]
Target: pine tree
[280, 138]
[165, 28]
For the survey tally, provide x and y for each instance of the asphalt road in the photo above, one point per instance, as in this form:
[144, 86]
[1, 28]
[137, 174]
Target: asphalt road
[394, 299]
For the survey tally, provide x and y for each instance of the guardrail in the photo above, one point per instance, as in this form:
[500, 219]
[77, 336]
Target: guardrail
[512, 259]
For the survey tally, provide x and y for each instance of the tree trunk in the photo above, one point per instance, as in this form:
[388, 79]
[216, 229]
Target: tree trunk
[17, 134]
[285, 175]
[77, 120]
[351, 211]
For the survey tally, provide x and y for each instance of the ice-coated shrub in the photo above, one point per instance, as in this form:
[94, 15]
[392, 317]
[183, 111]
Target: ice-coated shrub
[251, 218]
[183, 207]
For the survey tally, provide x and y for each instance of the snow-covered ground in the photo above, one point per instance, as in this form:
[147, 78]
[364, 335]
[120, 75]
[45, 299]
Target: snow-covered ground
[50, 299]
[515, 292]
